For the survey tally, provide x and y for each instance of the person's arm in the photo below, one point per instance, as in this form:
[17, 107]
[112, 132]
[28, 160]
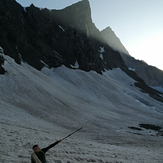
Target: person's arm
[50, 146]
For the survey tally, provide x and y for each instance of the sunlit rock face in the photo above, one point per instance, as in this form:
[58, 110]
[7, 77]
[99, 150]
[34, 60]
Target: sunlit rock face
[51, 37]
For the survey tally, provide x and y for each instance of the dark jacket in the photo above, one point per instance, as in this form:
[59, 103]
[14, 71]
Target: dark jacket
[41, 155]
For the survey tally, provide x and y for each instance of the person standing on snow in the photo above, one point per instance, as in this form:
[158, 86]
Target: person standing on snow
[38, 156]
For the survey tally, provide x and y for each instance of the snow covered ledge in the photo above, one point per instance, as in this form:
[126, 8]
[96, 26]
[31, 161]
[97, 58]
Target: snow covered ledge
[2, 70]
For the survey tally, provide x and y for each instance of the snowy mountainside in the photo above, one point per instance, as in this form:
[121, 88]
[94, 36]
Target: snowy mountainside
[75, 98]
[58, 100]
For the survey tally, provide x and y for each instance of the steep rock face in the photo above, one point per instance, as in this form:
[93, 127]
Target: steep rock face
[151, 75]
[43, 37]
[22, 32]
[78, 16]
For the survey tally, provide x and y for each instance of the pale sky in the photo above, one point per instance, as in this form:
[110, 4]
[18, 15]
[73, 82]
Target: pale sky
[137, 23]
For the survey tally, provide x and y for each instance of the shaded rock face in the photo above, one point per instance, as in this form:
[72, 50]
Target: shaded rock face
[43, 37]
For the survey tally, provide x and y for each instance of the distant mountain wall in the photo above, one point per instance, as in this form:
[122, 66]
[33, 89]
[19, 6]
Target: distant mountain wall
[151, 75]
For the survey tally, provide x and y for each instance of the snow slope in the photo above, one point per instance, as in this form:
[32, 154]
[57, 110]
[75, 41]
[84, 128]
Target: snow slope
[41, 107]
[160, 89]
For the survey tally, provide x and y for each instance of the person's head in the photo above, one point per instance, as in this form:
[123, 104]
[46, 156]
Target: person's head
[36, 148]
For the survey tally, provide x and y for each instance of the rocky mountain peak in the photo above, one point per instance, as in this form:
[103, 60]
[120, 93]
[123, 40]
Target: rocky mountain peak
[78, 16]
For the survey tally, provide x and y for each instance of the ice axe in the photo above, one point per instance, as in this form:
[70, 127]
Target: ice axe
[71, 133]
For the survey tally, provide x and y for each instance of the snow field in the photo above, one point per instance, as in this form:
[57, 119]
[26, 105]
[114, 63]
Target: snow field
[42, 107]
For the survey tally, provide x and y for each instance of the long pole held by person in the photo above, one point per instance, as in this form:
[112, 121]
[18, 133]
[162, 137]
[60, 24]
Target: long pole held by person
[71, 133]
[39, 154]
